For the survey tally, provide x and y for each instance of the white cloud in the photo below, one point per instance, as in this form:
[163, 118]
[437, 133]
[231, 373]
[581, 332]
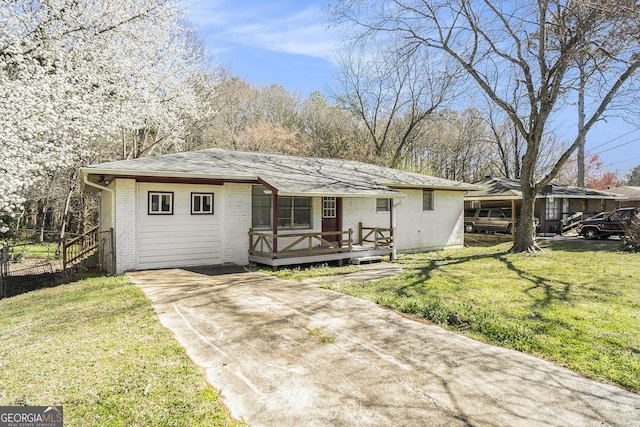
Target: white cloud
[278, 26]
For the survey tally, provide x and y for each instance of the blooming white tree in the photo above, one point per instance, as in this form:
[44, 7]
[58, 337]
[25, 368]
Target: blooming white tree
[73, 71]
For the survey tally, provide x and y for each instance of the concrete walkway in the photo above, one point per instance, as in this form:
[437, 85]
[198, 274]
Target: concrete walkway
[291, 354]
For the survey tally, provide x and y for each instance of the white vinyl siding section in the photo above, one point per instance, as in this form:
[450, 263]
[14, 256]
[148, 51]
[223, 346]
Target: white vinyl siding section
[181, 239]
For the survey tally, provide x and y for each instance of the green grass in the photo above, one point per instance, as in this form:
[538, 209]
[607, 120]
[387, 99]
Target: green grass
[317, 332]
[96, 347]
[310, 271]
[575, 304]
[35, 250]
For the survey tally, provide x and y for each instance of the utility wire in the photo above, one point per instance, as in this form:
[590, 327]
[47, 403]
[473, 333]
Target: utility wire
[621, 161]
[614, 139]
[613, 148]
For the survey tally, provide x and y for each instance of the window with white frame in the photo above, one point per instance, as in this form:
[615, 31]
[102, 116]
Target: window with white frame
[427, 200]
[201, 203]
[329, 207]
[382, 205]
[160, 203]
[553, 208]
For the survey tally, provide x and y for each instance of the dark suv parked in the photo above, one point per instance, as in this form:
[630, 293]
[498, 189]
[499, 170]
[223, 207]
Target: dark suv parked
[609, 225]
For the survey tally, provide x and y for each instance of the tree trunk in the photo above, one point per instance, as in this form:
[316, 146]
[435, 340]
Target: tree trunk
[65, 215]
[525, 236]
[581, 118]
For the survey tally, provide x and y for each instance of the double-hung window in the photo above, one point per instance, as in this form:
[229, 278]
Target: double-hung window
[382, 205]
[553, 206]
[201, 203]
[160, 203]
[260, 207]
[427, 200]
[293, 212]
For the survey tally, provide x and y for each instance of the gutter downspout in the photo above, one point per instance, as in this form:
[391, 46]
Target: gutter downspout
[85, 179]
[394, 205]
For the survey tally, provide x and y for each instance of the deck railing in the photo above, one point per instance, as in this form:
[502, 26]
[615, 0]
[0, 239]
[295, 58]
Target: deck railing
[572, 222]
[299, 244]
[379, 236]
[77, 248]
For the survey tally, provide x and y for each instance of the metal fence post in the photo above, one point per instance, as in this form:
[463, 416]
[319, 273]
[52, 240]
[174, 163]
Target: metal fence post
[114, 258]
[4, 268]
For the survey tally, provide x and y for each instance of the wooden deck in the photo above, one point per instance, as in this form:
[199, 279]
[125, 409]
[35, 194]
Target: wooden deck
[317, 247]
[293, 259]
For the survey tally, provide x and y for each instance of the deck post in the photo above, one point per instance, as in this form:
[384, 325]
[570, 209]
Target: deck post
[274, 207]
[513, 218]
[64, 254]
[360, 233]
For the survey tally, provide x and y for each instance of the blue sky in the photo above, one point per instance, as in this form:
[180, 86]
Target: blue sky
[287, 42]
[283, 42]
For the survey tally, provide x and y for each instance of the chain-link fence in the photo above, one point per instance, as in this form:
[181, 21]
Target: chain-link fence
[27, 267]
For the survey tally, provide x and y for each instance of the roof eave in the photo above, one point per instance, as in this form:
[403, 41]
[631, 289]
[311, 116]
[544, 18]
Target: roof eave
[470, 187]
[164, 174]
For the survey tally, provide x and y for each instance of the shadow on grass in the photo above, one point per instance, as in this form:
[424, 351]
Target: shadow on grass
[551, 290]
[417, 272]
[580, 244]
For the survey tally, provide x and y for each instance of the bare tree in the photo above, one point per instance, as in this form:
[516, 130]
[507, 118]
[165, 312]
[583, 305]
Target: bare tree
[330, 129]
[391, 95]
[533, 44]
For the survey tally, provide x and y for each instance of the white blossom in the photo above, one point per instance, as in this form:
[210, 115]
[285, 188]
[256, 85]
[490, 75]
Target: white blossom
[74, 72]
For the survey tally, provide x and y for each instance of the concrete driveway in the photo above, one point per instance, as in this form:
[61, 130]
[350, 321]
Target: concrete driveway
[285, 353]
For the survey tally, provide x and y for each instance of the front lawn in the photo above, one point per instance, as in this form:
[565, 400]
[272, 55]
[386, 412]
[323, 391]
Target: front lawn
[97, 348]
[577, 304]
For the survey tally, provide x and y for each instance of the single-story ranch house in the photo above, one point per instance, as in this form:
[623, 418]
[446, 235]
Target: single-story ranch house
[631, 192]
[221, 206]
[558, 207]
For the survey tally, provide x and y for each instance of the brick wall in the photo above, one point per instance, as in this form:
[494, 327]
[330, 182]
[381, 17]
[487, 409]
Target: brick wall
[237, 222]
[441, 228]
[125, 225]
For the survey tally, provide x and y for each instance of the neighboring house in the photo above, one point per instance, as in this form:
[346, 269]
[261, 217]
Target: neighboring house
[632, 193]
[558, 207]
[219, 206]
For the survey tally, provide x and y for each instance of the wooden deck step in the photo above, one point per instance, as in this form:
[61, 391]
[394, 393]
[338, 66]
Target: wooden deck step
[366, 260]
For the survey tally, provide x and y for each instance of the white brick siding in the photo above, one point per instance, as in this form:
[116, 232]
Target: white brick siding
[179, 240]
[362, 209]
[237, 222]
[418, 230]
[125, 227]
[106, 222]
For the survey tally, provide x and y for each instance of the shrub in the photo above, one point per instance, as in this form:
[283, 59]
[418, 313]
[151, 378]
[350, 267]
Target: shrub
[631, 238]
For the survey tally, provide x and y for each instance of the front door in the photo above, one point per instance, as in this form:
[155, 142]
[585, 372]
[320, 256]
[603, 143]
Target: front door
[331, 216]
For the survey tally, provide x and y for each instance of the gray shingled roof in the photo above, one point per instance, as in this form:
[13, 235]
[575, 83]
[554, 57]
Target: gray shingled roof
[632, 192]
[504, 188]
[290, 175]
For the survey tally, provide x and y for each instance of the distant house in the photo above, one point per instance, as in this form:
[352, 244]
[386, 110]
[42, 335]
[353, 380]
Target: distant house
[632, 193]
[220, 206]
[557, 206]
